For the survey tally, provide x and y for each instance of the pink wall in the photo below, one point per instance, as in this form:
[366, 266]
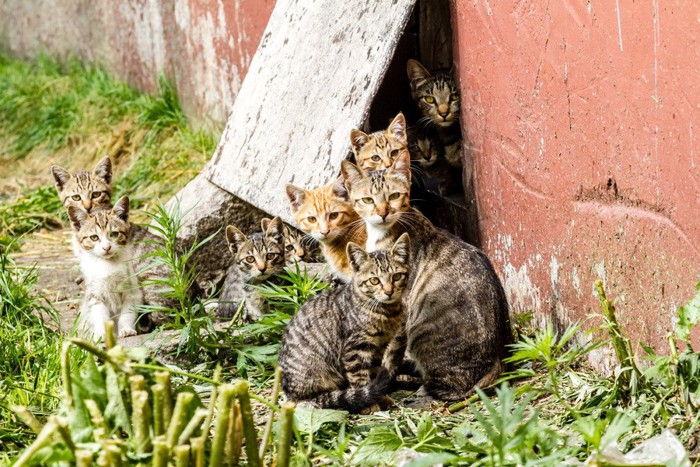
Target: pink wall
[203, 46]
[583, 121]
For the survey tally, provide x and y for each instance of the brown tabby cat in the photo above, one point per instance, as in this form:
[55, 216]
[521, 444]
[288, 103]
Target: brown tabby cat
[297, 247]
[257, 257]
[437, 97]
[457, 324]
[85, 190]
[334, 345]
[428, 156]
[380, 149]
[325, 214]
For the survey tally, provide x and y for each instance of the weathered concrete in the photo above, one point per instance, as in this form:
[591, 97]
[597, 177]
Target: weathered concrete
[204, 46]
[582, 119]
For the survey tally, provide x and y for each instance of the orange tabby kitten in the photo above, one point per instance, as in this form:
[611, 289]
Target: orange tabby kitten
[326, 214]
[379, 150]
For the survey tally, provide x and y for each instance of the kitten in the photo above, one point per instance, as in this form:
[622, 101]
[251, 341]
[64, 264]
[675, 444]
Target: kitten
[85, 190]
[257, 257]
[437, 97]
[326, 215]
[428, 156]
[457, 324]
[296, 246]
[378, 150]
[334, 345]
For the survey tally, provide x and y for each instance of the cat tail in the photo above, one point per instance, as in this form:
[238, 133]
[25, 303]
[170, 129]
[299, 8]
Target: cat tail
[356, 399]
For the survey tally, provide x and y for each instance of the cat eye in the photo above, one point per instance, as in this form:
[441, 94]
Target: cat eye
[75, 197]
[368, 200]
[394, 153]
[376, 158]
[398, 276]
[94, 238]
[289, 247]
[114, 235]
[374, 280]
[250, 259]
[333, 216]
[96, 194]
[394, 196]
[311, 219]
[454, 97]
[429, 99]
[271, 256]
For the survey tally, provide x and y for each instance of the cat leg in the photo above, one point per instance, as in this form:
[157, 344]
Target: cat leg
[98, 316]
[394, 354]
[358, 358]
[126, 321]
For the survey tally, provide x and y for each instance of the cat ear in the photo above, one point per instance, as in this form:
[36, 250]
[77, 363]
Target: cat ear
[356, 255]
[121, 208]
[275, 230]
[76, 216]
[401, 250]
[397, 128]
[235, 238]
[61, 176]
[417, 74]
[296, 196]
[103, 170]
[351, 173]
[358, 139]
[339, 189]
[264, 222]
[402, 167]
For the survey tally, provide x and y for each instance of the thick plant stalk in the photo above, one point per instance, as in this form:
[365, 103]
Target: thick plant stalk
[163, 378]
[83, 458]
[284, 443]
[182, 456]
[194, 424]
[161, 453]
[140, 421]
[113, 453]
[251, 436]
[235, 435]
[268, 427]
[218, 443]
[158, 401]
[197, 448]
[179, 419]
[110, 340]
[137, 383]
[64, 432]
[28, 418]
[212, 401]
[456, 407]
[67, 381]
[41, 440]
[102, 355]
[98, 422]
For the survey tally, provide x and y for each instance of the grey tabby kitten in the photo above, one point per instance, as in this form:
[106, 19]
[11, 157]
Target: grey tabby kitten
[256, 258]
[111, 251]
[333, 347]
[297, 246]
[85, 190]
[437, 97]
[428, 162]
[457, 323]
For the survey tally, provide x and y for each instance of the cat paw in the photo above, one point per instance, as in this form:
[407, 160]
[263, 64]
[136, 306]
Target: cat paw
[127, 332]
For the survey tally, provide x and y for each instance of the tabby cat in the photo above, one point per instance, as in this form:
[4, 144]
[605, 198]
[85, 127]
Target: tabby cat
[437, 97]
[380, 149]
[326, 215]
[430, 167]
[85, 190]
[334, 345]
[111, 251]
[257, 257]
[297, 247]
[457, 323]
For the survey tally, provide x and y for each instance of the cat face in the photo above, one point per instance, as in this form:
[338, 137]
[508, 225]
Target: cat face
[381, 196]
[323, 212]
[425, 147]
[261, 254]
[104, 233]
[85, 190]
[294, 244]
[379, 150]
[381, 275]
[437, 96]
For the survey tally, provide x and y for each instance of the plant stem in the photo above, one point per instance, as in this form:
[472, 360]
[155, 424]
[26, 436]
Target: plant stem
[101, 354]
[218, 444]
[198, 450]
[194, 424]
[163, 378]
[268, 427]
[41, 440]
[251, 437]
[160, 452]
[28, 418]
[179, 419]
[65, 374]
[140, 421]
[158, 402]
[182, 456]
[284, 443]
[110, 341]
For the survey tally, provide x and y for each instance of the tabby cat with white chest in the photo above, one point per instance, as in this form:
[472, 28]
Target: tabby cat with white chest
[457, 323]
[257, 257]
[378, 150]
[333, 348]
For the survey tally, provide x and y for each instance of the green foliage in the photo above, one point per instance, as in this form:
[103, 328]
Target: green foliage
[31, 210]
[688, 316]
[299, 287]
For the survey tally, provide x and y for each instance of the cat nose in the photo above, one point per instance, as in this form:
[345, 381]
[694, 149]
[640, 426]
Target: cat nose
[107, 247]
[262, 267]
[443, 110]
[382, 211]
[325, 232]
[389, 292]
[87, 204]
[300, 252]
